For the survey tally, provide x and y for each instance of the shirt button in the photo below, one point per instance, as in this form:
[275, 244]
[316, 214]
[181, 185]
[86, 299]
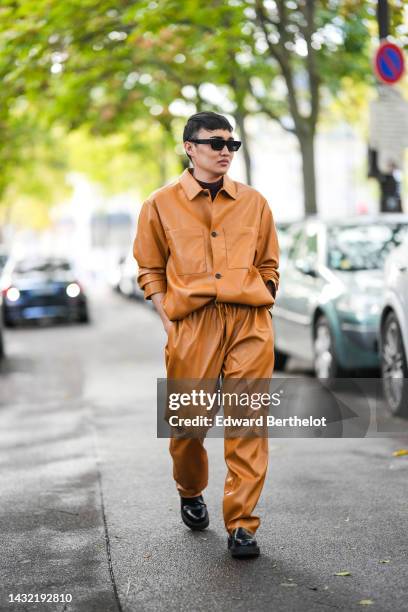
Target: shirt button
[214, 234]
[218, 275]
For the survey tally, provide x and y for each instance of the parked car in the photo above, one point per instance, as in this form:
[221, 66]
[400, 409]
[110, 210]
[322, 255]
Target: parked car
[114, 273]
[329, 300]
[128, 278]
[1, 331]
[42, 288]
[3, 259]
[285, 238]
[394, 331]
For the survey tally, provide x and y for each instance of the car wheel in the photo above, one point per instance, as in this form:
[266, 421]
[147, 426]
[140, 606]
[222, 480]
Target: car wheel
[394, 367]
[84, 316]
[280, 360]
[326, 365]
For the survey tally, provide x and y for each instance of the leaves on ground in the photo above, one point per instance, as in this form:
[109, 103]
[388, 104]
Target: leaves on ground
[400, 452]
[343, 573]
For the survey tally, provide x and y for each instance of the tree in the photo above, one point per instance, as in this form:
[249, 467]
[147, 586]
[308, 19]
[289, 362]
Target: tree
[68, 65]
[276, 56]
[120, 68]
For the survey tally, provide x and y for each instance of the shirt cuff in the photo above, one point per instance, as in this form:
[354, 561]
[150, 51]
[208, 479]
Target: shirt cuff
[159, 286]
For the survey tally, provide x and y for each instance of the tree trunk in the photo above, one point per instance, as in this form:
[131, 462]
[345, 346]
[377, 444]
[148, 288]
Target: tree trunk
[306, 142]
[240, 119]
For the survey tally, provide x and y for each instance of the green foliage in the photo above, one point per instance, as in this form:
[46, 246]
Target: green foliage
[110, 73]
[120, 162]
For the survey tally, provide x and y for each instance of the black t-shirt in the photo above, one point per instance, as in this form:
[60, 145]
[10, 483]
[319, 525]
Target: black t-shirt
[212, 187]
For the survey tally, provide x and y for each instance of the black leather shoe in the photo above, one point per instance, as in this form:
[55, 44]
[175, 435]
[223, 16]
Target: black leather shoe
[242, 543]
[194, 512]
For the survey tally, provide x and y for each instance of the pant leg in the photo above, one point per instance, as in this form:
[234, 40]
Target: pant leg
[249, 354]
[195, 350]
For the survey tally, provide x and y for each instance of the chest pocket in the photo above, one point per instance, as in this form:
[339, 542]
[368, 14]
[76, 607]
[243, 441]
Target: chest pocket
[187, 248]
[240, 245]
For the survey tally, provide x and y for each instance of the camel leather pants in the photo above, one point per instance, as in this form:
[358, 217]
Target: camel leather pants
[235, 341]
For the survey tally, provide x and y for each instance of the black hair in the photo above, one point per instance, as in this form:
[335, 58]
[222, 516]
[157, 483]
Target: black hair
[207, 120]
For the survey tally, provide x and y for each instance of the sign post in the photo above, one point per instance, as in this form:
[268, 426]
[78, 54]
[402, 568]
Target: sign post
[388, 133]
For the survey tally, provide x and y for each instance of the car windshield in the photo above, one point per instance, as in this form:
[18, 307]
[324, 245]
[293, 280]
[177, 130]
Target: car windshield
[363, 247]
[41, 267]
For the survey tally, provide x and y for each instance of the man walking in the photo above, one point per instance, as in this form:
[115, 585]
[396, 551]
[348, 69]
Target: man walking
[208, 258]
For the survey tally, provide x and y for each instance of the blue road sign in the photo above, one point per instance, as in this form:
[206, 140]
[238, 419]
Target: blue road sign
[389, 63]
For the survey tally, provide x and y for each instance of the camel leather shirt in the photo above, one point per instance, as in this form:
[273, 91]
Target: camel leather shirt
[197, 250]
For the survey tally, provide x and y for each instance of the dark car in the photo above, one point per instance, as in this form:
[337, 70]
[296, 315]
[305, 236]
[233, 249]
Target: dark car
[35, 289]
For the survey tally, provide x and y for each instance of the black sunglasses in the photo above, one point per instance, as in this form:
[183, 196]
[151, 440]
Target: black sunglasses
[217, 144]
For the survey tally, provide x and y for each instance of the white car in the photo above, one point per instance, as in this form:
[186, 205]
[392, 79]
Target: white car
[1, 329]
[394, 331]
[128, 278]
[3, 261]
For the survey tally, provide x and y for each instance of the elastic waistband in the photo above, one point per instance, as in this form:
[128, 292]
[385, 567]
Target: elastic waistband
[223, 306]
[225, 309]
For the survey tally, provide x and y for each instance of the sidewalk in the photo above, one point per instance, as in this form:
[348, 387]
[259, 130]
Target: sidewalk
[89, 506]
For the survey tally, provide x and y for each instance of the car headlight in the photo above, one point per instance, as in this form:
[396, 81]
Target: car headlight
[361, 306]
[12, 294]
[73, 290]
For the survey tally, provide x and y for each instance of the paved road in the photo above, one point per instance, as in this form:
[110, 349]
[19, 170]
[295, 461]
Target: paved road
[88, 506]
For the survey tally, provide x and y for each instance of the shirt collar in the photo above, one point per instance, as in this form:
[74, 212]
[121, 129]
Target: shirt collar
[192, 187]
